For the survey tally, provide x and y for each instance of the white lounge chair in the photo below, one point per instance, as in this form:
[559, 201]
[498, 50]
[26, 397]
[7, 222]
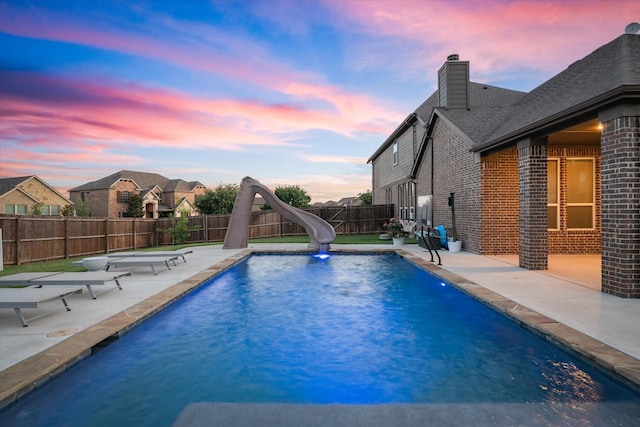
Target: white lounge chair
[179, 253]
[135, 261]
[83, 278]
[32, 297]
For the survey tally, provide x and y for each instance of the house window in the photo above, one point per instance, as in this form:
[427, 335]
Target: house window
[580, 193]
[553, 195]
[579, 182]
[124, 197]
[51, 210]
[15, 209]
[406, 200]
[395, 152]
[401, 201]
[411, 199]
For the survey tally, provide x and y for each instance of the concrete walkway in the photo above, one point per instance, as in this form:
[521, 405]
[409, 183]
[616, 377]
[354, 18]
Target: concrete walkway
[56, 338]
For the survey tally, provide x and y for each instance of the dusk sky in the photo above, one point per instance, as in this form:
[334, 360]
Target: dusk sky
[290, 92]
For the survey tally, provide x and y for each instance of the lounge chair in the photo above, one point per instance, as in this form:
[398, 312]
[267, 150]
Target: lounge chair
[31, 297]
[136, 261]
[179, 253]
[83, 278]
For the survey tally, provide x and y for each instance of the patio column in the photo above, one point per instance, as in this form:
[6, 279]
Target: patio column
[532, 179]
[620, 149]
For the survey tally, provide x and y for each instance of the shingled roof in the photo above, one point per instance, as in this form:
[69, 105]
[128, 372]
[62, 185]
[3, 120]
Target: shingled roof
[605, 75]
[144, 180]
[489, 106]
[181, 185]
[497, 115]
[8, 184]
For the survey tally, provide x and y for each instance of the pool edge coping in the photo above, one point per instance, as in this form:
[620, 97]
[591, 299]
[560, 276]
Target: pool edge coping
[619, 365]
[33, 372]
[28, 375]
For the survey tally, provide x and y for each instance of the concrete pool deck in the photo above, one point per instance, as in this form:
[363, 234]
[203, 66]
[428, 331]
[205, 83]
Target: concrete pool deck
[559, 303]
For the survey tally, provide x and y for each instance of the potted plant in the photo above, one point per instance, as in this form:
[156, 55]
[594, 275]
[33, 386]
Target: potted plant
[453, 244]
[395, 229]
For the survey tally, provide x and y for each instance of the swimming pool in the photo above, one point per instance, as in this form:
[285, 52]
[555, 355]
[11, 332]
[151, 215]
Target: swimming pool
[352, 329]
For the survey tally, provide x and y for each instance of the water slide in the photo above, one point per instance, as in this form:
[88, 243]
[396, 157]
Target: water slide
[321, 233]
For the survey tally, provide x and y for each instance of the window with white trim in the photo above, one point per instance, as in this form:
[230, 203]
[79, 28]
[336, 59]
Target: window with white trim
[15, 209]
[580, 193]
[395, 152]
[579, 183]
[553, 194]
[50, 210]
[401, 201]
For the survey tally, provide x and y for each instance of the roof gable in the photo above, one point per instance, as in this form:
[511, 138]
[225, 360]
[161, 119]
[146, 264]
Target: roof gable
[9, 184]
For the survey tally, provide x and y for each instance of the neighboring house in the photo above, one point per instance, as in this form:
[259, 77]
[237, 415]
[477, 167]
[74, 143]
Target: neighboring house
[161, 196]
[345, 201]
[552, 171]
[350, 201]
[19, 195]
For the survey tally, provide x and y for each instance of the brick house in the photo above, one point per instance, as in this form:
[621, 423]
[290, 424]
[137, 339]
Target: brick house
[552, 171]
[161, 196]
[19, 196]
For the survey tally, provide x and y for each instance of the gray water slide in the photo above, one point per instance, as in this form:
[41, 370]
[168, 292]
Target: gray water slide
[321, 233]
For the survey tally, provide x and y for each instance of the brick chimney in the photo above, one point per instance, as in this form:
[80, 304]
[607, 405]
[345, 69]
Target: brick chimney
[453, 84]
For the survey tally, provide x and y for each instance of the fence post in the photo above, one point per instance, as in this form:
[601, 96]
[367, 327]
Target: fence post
[106, 235]
[66, 237]
[135, 240]
[18, 239]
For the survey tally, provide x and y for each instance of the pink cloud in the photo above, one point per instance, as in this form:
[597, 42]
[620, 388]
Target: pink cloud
[323, 188]
[41, 108]
[318, 158]
[205, 48]
[494, 35]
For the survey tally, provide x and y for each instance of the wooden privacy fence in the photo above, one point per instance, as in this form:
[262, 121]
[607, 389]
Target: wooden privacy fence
[36, 238]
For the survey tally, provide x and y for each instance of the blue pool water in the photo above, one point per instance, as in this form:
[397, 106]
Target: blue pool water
[352, 329]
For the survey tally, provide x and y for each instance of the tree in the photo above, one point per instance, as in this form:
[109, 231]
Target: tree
[218, 201]
[179, 229]
[293, 195]
[67, 210]
[366, 197]
[82, 209]
[135, 209]
[36, 209]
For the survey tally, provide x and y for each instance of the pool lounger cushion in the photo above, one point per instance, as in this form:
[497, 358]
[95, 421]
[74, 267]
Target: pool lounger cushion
[177, 253]
[136, 261]
[32, 296]
[81, 278]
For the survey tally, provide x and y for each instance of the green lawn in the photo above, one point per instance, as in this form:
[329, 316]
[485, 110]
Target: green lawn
[65, 264]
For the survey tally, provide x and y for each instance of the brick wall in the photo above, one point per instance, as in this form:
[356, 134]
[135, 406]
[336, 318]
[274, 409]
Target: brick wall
[455, 170]
[97, 202]
[620, 147]
[43, 194]
[500, 230]
[532, 172]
